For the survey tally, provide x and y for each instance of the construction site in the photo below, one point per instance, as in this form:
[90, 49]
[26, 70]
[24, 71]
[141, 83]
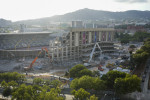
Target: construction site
[58, 52]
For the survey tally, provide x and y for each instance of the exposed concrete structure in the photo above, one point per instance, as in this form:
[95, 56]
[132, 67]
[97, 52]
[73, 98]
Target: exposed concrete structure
[67, 47]
[18, 45]
[77, 44]
[12, 41]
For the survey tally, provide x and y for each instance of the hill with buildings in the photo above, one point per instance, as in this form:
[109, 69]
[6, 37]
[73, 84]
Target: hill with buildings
[5, 23]
[89, 14]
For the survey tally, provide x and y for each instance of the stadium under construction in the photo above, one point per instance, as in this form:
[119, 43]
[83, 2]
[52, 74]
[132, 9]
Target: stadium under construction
[67, 47]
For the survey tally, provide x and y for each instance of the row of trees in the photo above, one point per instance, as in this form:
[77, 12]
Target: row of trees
[12, 76]
[121, 83]
[137, 37]
[118, 82]
[142, 54]
[40, 90]
[54, 83]
[36, 92]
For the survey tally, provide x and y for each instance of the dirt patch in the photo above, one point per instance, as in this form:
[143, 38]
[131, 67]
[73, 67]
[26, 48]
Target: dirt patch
[59, 73]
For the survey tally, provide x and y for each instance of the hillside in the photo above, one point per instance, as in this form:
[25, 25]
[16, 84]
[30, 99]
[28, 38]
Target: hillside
[89, 14]
[4, 23]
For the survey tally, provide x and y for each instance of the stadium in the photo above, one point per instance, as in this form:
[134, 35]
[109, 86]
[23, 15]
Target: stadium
[17, 45]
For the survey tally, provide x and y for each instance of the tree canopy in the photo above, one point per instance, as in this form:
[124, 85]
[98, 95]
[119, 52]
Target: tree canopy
[37, 81]
[12, 76]
[121, 82]
[36, 92]
[80, 94]
[110, 77]
[87, 82]
[128, 84]
[137, 37]
[79, 71]
[142, 54]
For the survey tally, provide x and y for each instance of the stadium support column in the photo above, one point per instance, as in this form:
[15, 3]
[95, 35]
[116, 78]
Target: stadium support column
[100, 36]
[70, 39]
[66, 52]
[112, 36]
[76, 39]
[52, 58]
[90, 38]
[70, 45]
[76, 45]
[57, 53]
[62, 58]
[106, 36]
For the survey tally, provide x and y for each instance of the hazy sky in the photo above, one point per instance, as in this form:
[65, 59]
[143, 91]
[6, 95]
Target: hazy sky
[29, 9]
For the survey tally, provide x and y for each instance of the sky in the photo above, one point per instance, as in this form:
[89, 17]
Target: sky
[16, 10]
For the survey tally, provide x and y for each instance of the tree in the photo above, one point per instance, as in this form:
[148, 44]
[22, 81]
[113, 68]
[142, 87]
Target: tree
[74, 84]
[4, 84]
[12, 83]
[74, 71]
[51, 95]
[6, 92]
[95, 73]
[128, 84]
[55, 83]
[87, 83]
[142, 54]
[110, 77]
[20, 93]
[99, 84]
[79, 71]
[12, 76]
[36, 92]
[37, 81]
[81, 94]
[124, 38]
[24, 92]
[140, 36]
[47, 82]
[93, 97]
[85, 72]
[132, 46]
[140, 57]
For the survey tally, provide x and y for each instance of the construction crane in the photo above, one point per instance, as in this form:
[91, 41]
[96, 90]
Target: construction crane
[31, 65]
[92, 53]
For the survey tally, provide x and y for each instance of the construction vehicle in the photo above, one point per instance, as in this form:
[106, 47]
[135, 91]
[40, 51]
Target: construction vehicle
[31, 65]
[100, 68]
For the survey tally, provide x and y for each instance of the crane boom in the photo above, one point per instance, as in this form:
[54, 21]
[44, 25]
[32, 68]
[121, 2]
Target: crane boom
[31, 65]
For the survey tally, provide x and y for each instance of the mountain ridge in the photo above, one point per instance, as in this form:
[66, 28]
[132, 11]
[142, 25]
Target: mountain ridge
[90, 14]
